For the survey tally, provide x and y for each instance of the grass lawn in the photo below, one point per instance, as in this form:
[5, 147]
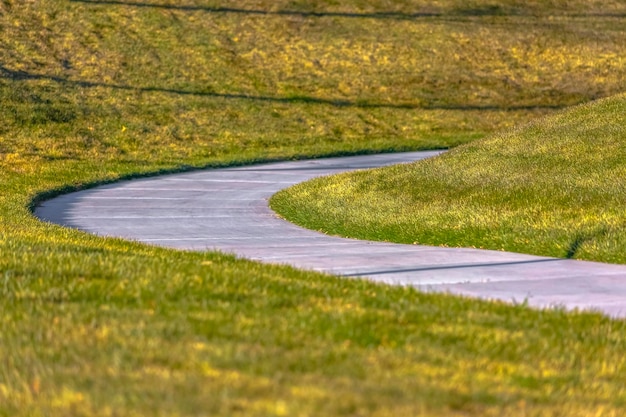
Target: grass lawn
[552, 187]
[95, 91]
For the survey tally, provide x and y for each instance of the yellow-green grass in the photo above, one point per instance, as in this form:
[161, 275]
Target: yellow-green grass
[96, 91]
[553, 187]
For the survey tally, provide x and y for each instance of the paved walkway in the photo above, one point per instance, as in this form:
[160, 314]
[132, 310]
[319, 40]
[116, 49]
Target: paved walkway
[226, 209]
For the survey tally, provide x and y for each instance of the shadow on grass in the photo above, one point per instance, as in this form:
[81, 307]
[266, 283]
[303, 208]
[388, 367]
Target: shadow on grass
[581, 238]
[24, 75]
[489, 10]
[377, 15]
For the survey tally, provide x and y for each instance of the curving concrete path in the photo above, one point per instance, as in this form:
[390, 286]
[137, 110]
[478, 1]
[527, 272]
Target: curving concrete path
[226, 209]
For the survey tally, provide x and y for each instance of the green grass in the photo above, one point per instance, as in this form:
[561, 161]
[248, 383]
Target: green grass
[553, 187]
[97, 91]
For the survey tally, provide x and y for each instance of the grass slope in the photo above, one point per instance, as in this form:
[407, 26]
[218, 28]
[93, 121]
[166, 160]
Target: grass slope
[553, 187]
[94, 91]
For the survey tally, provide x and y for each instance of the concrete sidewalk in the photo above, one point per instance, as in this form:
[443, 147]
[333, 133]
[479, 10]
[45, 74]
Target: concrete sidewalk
[226, 209]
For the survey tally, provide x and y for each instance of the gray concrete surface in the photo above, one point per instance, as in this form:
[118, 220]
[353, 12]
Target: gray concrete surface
[226, 209]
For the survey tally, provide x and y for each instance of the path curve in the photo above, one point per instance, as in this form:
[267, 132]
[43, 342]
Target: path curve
[226, 209]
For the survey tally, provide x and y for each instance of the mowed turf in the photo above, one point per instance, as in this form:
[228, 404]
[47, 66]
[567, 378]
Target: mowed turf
[94, 91]
[553, 187]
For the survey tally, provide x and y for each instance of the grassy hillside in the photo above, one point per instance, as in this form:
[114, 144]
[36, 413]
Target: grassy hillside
[553, 187]
[94, 91]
